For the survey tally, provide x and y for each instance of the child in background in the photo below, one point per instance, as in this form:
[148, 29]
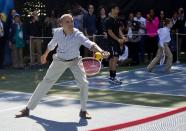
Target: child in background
[164, 39]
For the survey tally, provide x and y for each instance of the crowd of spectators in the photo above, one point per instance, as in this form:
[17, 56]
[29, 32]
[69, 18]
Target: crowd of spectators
[140, 29]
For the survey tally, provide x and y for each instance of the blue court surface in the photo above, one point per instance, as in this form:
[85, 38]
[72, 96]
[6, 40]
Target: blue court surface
[56, 113]
[156, 82]
[61, 114]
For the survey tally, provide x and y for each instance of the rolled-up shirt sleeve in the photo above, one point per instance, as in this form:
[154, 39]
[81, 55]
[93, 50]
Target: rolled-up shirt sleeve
[53, 43]
[83, 40]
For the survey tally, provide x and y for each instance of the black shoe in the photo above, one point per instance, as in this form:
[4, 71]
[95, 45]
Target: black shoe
[22, 113]
[114, 80]
[148, 69]
[85, 115]
[168, 71]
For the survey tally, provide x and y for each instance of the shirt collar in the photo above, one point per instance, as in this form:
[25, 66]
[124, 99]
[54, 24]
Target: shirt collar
[68, 34]
[167, 28]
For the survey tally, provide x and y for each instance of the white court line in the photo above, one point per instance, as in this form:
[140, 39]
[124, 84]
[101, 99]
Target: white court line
[59, 97]
[136, 82]
[14, 92]
[122, 72]
[17, 107]
[108, 102]
[154, 93]
[123, 85]
[119, 90]
[2, 92]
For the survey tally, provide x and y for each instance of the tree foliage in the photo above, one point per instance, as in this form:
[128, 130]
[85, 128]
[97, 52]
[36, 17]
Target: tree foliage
[32, 5]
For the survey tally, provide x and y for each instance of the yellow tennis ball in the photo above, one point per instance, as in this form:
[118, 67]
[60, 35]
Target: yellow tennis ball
[98, 56]
[3, 77]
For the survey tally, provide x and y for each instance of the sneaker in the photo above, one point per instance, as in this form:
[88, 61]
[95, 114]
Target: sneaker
[85, 115]
[115, 81]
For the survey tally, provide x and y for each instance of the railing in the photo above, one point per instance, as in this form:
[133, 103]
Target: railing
[96, 37]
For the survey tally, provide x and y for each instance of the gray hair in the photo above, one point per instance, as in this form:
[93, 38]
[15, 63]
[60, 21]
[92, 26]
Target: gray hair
[65, 15]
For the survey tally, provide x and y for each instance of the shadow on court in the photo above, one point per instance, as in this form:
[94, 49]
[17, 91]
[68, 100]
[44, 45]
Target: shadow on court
[51, 125]
[141, 81]
[59, 113]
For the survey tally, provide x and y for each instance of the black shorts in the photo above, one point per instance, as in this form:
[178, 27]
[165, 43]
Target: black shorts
[114, 50]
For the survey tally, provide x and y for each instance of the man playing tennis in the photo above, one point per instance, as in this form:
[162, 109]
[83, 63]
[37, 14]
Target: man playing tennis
[69, 41]
[164, 39]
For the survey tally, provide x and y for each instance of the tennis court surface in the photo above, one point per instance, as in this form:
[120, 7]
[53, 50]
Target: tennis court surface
[61, 114]
[156, 82]
[57, 113]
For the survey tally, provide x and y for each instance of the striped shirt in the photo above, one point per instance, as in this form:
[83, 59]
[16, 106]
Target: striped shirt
[68, 45]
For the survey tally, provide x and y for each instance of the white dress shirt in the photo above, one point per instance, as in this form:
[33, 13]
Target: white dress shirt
[164, 36]
[68, 45]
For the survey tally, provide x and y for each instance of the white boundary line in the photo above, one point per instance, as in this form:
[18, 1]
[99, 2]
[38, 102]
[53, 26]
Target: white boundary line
[17, 107]
[108, 102]
[59, 97]
[153, 93]
[156, 77]
[123, 85]
[121, 72]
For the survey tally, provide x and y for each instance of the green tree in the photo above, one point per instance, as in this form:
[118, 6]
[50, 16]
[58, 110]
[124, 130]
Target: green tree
[34, 5]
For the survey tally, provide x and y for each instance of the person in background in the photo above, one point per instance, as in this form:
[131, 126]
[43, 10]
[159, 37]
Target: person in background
[130, 19]
[10, 19]
[180, 25]
[133, 42]
[101, 21]
[50, 23]
[34, 30]
[101, 31]
[89, 21]
[173, 45]
[78, 14]
[89, 25]
[8, 56]
[151, 44]
[161, 19]
[164, 39]
[3, 34]
[17, 42]
[142, 21]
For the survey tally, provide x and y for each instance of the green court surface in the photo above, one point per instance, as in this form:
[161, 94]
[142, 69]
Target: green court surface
[27, 79]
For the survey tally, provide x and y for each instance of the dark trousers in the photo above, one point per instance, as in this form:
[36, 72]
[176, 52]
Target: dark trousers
[151, 46]
[142, 49]
[2, 52]
[134, 48]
